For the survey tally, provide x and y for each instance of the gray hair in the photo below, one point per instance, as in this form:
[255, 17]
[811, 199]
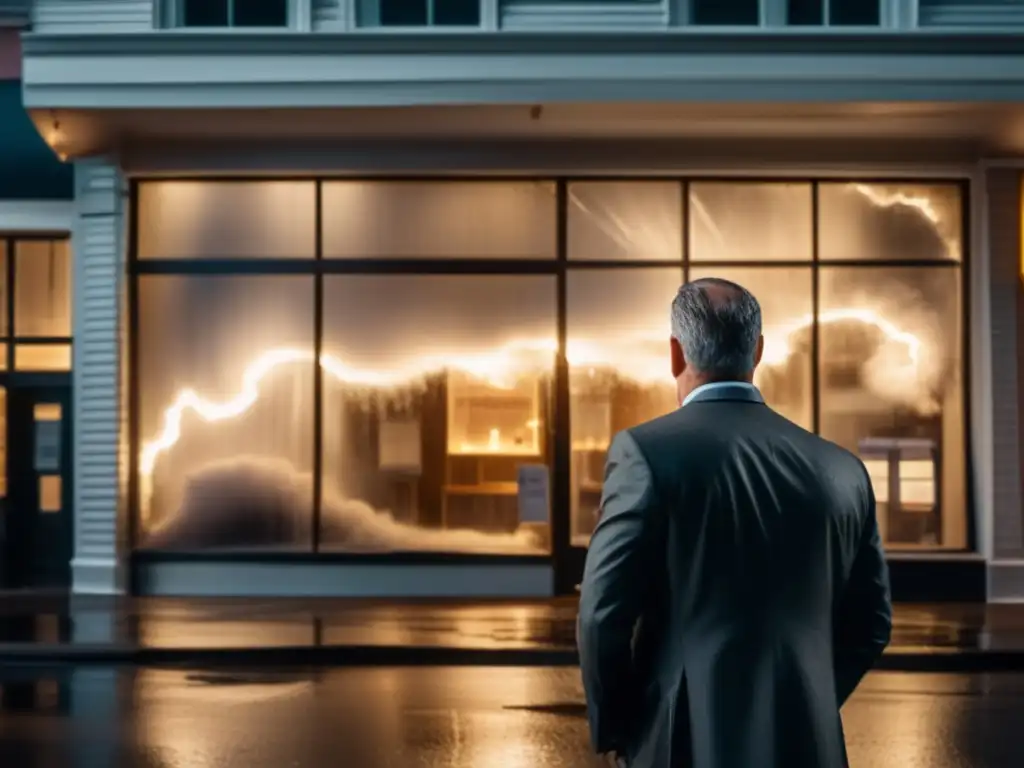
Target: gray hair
[718, 324]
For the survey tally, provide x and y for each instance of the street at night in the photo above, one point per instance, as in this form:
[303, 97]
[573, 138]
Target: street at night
[455, 717]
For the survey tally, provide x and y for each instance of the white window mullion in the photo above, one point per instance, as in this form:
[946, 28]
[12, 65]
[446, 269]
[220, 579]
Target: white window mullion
[368, 14]
[231, 13]
[899, 14]
[430, 12]
[680, 13]
[773, 13]
[300, 15]
[490, 14]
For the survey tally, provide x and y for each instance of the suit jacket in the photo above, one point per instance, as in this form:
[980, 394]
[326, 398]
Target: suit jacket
[735, 591]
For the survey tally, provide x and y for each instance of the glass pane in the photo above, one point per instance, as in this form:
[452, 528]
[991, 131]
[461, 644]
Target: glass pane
[227, 219]
[891, 378]
[854, 13]
[625, 220]
[42, 357]
[456, 12]
[3, 287]
[49, 493]
[900, 222]
[440, 219]
[805, 12]
[726, 12]
[402, 13]
[620, 373]
[785, 295]
[745, 221]
[3, 357]
[436, 397]
[205, 13]
[226, 411]
[42, 288]
[260, 13]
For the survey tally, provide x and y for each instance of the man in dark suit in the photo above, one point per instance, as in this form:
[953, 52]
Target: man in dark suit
[735, 591]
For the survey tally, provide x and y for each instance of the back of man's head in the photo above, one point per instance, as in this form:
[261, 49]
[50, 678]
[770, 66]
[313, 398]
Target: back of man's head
[718, 325]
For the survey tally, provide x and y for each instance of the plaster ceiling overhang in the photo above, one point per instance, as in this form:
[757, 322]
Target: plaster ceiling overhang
[894, 130]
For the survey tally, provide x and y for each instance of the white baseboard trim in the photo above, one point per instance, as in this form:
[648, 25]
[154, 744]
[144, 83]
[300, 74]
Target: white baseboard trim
[97, 576]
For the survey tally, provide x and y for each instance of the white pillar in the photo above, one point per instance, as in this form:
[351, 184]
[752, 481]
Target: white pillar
[97, 240]
[1001, 280]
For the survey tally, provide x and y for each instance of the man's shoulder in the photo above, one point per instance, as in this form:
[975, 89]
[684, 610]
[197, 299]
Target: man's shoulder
[697, 432]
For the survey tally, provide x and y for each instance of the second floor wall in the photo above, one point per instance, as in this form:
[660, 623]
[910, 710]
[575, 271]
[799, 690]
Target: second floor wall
[133, 16]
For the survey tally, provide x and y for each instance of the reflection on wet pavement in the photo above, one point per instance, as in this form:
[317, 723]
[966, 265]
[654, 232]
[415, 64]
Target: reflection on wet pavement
[540, 624]
[447, 717]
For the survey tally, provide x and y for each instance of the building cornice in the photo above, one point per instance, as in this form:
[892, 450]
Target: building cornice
[291, 70]
[756, 41]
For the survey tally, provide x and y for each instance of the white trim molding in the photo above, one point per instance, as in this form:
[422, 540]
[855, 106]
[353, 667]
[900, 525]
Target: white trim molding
[225, 69]
[36, 216]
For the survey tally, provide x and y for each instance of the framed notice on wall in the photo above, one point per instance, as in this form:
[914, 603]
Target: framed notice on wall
[533, 493]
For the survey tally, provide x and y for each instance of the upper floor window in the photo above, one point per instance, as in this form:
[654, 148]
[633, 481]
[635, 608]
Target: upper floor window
[233, 13]
[419, 13]
[726, 12]
[833, 13]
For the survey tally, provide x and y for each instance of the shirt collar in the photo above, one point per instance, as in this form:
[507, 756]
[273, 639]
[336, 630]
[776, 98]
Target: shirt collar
[717, 385]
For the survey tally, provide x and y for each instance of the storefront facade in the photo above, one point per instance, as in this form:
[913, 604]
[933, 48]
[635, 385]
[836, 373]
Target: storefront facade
[36, 212]
[390, 363]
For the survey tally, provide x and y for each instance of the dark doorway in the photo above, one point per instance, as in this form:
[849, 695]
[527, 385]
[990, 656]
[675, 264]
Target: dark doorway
[37, 531]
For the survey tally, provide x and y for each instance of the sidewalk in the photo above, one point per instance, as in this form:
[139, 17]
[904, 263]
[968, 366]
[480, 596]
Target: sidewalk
[58, 629]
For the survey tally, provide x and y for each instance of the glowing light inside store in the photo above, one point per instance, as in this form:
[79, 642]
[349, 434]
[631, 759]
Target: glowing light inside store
[630, 357]
[641, 358]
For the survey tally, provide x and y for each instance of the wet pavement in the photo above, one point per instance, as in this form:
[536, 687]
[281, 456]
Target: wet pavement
[539, 631]
[464, 717]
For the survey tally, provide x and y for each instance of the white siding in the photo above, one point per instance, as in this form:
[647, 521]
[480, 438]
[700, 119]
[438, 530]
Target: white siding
[93, 15]
[555, 15]
[97, 407]
[332, 15]
[964, 13]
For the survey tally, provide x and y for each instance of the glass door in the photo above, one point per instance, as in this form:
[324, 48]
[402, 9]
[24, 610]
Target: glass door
[38, 516]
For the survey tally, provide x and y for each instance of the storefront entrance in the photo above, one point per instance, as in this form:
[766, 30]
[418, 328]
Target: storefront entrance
[37, 518]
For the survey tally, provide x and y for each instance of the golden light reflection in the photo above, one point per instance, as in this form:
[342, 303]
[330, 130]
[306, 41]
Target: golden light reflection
[641, 358]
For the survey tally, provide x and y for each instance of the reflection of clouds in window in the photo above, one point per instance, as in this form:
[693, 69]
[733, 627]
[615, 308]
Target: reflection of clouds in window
[902, 338]
[750, 221]
[895, 222]
[625, 220]
[228, 362]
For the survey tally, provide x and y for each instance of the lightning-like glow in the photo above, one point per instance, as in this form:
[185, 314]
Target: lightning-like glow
[640, 358]
[632, 357]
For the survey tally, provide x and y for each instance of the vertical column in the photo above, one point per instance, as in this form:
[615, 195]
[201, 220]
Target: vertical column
[97, 243]
[899, 14]
[1002, 281]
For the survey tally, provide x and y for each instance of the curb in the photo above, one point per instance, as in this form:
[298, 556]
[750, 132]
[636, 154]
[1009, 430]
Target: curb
[933, 660]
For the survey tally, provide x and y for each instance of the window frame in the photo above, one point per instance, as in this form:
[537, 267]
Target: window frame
[171, 18]
[565, 557]
[10, 339]
[367, 16]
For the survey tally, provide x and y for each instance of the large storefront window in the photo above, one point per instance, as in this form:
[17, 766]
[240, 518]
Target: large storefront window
[226, 412]
[435, 309]
[436, 390]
